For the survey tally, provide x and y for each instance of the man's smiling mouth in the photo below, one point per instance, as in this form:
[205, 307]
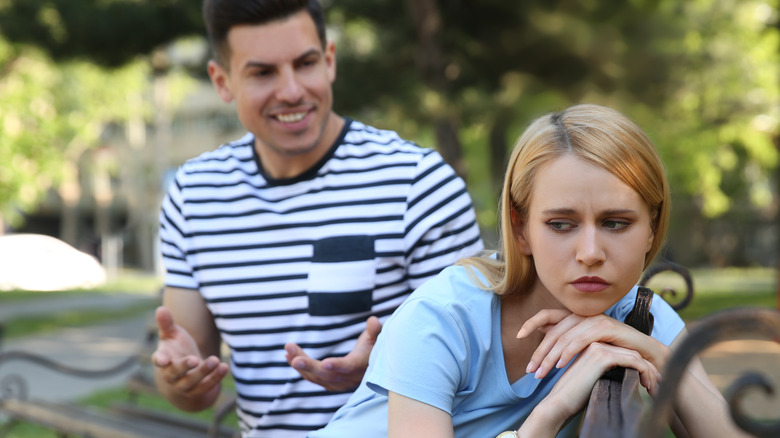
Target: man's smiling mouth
[291, 117]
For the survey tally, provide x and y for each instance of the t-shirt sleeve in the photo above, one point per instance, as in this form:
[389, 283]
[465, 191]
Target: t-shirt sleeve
[440, 222]
[667, 324]
[173, 229]
[420, 355]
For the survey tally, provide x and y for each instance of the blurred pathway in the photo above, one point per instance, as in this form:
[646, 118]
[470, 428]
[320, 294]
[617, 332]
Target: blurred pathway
[728, 360]
[95, 347]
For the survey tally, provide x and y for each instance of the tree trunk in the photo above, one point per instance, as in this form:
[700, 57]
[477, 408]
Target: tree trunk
[430, 60]
[498, 152]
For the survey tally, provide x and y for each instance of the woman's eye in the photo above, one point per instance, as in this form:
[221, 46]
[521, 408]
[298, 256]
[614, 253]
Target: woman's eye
[616, 224]
[560, 226]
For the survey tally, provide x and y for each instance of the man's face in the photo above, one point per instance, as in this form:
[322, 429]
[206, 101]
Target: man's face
[280, 78]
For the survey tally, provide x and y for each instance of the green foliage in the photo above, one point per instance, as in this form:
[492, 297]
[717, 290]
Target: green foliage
[109, 32]
[701, 76]
[53, 112]
[716, 129]
[50, 113]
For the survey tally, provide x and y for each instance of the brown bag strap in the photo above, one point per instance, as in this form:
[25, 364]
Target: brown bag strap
[640, 317]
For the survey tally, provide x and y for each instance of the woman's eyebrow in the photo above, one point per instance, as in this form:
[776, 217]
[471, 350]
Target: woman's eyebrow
[564, 211]
[559, 211]
[619, 212]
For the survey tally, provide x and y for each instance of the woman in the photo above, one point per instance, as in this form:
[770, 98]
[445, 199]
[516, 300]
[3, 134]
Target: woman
[517, 339]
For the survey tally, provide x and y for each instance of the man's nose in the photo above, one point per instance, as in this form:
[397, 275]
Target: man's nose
[289, 88]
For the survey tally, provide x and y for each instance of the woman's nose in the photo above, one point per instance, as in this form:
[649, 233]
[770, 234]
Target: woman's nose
[590, 251]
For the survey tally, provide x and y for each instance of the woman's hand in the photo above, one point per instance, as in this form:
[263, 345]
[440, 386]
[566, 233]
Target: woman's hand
[572, 391]
[567, 334]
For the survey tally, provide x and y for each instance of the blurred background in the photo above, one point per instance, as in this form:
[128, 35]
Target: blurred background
[101, 100]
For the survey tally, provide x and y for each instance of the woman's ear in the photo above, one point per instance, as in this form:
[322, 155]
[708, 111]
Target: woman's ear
[650, 240]
[519, 231]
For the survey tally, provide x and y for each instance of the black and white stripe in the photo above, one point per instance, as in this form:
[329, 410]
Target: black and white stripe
[308, 260]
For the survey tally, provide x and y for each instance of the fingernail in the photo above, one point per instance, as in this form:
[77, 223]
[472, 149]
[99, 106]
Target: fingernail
[560, 364]
[538, 374]
[531, 367]
[521, 334]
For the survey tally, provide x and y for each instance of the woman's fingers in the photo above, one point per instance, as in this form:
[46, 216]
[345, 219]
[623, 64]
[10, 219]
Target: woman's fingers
[557, 337]
[542, 320]
[572, 391]
[571, 334]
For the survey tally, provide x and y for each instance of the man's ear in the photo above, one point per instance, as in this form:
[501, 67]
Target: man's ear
[330, 60]
[519, 231]
[220, 78]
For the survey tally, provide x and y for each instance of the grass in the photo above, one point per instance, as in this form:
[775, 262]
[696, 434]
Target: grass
[30, 325]
[126, 282]
[720, 289]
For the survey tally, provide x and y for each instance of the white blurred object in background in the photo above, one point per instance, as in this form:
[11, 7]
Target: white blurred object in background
[44, 263]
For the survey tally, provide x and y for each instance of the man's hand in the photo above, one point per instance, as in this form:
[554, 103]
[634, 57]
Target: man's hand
[337, 373]
[187, 380]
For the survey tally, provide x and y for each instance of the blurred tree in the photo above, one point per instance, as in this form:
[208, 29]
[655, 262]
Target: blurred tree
[52, 113]
[685, 70]
[481, 69]
[107, 32]
[723, 107]
[69, 69]
[466, 75]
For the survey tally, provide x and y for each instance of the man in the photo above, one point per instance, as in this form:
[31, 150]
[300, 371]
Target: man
[294, 242]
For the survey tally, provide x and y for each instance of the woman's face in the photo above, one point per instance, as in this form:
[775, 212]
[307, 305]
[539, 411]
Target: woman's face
[588, 234]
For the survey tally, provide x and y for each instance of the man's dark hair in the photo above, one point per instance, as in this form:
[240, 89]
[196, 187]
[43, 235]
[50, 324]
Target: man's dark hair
[221, 15]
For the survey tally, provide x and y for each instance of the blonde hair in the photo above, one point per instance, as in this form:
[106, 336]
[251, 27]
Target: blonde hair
[602, 137]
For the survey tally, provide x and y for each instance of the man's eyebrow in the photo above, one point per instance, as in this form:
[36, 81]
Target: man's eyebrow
[308, 53]
[259, 64]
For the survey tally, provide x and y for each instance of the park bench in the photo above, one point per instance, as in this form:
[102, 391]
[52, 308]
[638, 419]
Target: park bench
[121, 420]
[616, 407]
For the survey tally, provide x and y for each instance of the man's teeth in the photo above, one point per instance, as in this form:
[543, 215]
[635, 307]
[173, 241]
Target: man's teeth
[291, 117]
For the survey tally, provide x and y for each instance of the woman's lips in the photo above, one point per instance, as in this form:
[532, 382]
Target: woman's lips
[590, 284]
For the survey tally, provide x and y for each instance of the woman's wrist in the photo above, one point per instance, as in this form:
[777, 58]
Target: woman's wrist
[542, 422]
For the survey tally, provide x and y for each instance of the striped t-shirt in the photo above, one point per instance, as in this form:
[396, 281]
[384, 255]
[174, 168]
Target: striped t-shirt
[308, 260]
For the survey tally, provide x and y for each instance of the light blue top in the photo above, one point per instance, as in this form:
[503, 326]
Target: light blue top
[443, 348]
